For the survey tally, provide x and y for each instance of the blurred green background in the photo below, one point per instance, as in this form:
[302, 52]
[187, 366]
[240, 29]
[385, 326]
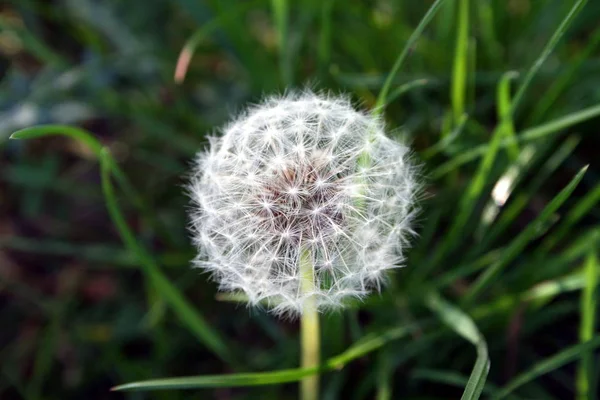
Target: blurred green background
[78, 314]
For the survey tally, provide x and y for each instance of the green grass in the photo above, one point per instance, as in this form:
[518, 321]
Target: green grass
[498, 99]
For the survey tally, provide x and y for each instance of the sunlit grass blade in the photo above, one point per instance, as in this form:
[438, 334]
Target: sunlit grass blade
[534, 69]
[469, 199]
[527, 135]
[548, 365]
[459, 72]
[541, 293]
[503, 189]
[503, 105]
[519, 243]
[589, 309]
[185, 311]
[359, 349]
[383, 95]
[463, 325]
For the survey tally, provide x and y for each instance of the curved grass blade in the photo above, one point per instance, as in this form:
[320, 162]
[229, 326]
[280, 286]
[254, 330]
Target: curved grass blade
[359, 349]
[184, 310]
[188, 50]
[95, 147]
[525, 136]
[548, 365]
[519, 243]
[383, 95]
[463, 325]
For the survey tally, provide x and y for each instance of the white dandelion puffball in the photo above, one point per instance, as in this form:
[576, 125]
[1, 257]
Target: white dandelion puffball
[302, 175]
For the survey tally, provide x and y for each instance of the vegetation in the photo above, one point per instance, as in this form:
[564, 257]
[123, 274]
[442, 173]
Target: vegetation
[500, 100]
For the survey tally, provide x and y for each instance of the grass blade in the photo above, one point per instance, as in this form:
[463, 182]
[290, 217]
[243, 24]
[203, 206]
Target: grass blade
[463, 325]
[526, 136]
[359, 349]
[187, 314]
[523, 198]
[548, 365]
[562, 81]
[382, 99]
[588, 324]
[519, 243]
[281, 16]
[585, 205]
[459, 73]
[532, 72]
[503, 104]
[188, 50]
[470, 197]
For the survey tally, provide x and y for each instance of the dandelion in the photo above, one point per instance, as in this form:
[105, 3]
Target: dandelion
[302, 179]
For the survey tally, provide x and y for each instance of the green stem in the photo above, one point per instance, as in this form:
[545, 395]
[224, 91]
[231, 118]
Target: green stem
[309, 324]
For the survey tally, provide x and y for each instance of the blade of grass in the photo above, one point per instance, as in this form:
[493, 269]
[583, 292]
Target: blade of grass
[469, 199]
[587, 327]
[521, 199]
[188, 50]
[525, 136]
[503, 105]
[518, 244]
[384, 372]
[533, 70]
[383, 95]
[359, 349]
[400, 90]
[548, 365]
[95, 147]
[281, 16]
[182, 308]
[463, 325]
[583, 206]
[459, 72]
[447, 140]
[448, 378]
[33, 45]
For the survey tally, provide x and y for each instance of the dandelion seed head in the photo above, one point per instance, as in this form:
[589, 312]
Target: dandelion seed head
[302, 172]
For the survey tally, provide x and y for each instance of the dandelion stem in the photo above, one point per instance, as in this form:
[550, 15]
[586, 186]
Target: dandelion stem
[310, 333]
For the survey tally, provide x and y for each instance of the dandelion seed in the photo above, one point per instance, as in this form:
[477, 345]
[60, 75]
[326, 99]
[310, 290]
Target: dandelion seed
[303, 172]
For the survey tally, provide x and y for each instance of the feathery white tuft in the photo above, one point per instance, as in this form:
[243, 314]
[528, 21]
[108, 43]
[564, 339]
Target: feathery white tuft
[302, 172]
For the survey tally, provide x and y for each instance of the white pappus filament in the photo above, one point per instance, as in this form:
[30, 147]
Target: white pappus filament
[302, 172]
